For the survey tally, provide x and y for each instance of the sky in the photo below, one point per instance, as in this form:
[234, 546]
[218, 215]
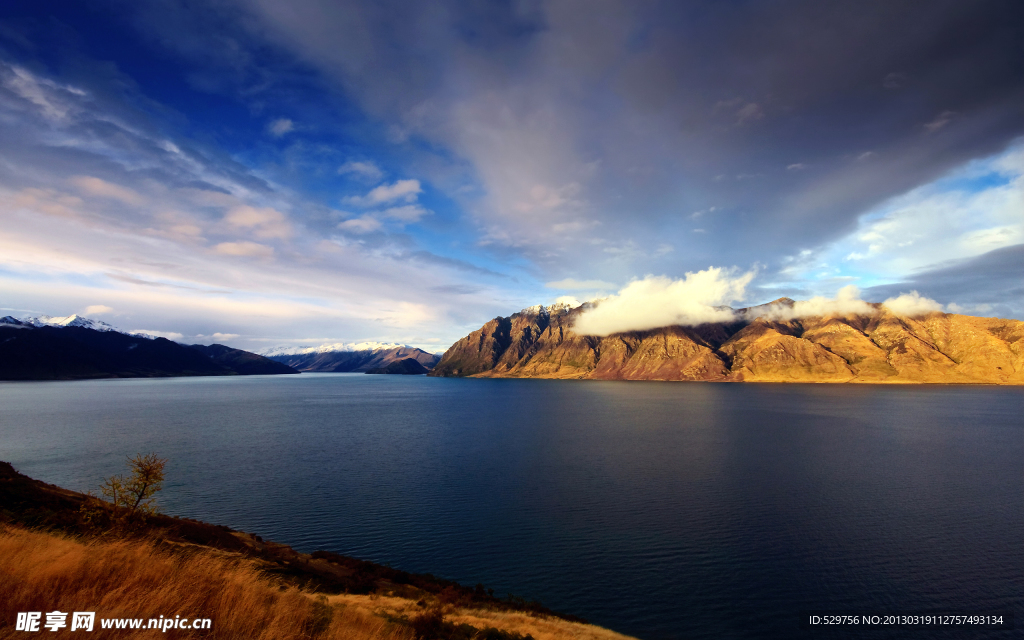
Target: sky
[263, 173]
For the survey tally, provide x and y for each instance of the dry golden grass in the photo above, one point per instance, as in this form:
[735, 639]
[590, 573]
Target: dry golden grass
[133, 578]
[137, 579]
[540, 627]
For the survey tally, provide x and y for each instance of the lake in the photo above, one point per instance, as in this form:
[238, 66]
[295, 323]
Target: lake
[661, 510]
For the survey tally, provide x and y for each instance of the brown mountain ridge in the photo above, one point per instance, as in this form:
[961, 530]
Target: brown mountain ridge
[881, 347]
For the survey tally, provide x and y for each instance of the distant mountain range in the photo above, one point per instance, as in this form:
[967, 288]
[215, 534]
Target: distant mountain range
[875, 347]
[334, 347]
[377, 359]
[72, 347]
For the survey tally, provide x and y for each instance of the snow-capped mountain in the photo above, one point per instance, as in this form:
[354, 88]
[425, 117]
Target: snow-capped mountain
[73, 320]
[555, 307]
[330, 348]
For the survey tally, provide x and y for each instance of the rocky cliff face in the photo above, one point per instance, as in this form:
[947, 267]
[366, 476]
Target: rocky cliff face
[879, 347]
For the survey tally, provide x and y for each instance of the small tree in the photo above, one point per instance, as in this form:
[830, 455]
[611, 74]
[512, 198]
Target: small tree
[132, 496]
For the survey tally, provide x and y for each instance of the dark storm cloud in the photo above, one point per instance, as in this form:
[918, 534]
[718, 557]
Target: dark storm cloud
[994, 281]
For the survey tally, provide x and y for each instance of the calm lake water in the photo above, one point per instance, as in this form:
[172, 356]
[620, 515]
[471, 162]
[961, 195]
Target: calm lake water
[662, 510]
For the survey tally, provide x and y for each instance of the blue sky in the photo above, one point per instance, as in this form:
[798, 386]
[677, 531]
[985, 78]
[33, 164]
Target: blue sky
[263, 174]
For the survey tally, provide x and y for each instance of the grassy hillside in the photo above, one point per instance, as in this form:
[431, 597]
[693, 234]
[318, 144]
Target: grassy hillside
[57, 552]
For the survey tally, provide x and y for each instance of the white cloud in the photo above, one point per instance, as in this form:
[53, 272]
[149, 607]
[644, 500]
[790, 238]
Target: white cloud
[658, 301]
[567, 301]
[364, 169]
[953, 307]
[225, 336]
[97, 310]
[911, 304]
[972, 211]
[244, 248]
[279, 127]
[406, 190]
[846, 302]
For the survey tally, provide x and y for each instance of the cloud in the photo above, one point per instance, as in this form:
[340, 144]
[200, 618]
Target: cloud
[406, 214]
[846, 302]
[97, 187]
[51, 97]
[170, 335]
[363, 169]
[977, 309]
[990, 283]
[244, 248]
[407, 190]
[633, 123]
[573, 284]
[279, 127]
[911, 304]
[967, 213]
[749, 112]
[939, 121]
[225, 336]
[265, 222]
[894, 80]
[362, 224]
[658, 301]
[97, 310]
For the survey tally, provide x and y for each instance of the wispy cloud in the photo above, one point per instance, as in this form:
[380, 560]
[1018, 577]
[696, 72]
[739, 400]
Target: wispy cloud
[280, 127]
[264, 222]
[244, 248]
[403, 190]
[364, 169]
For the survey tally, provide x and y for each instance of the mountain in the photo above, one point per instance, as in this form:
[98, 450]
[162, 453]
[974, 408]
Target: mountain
[66, 321]
[877, 347]
[342, 361]
[329, 348]
[407, 367]
[243, 362]
[32, 350]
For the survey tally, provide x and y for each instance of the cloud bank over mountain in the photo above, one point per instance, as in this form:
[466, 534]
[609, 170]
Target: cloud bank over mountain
[657, 301]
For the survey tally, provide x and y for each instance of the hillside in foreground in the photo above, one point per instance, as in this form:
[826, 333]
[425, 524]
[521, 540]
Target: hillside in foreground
[57, 556]
[879, 347]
